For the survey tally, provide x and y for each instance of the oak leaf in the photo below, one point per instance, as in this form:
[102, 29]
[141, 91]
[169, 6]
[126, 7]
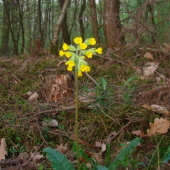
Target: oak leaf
[3, 151]
[160, 126]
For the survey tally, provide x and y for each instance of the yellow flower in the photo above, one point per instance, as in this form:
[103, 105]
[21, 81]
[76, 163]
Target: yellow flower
[83, 46]
[83, 57]
[68, 54]
[70, 63]
[89, 54]
[79, 74]
[61, 53]
[78, 40]
[69, 68]
[85, 68]
[92, 41]
[99, 50]
[65, 47]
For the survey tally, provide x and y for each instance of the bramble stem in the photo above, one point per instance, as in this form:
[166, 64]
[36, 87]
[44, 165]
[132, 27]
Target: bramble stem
[76, 115]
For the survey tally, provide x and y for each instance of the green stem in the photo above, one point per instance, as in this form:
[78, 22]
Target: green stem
[158, 153]
[76, 114]
[154, 153]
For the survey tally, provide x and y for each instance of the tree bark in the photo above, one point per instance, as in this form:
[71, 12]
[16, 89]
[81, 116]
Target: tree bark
[10, 27]
[94, 20]
[54, 45]
[22, 27]
[64, 27]
[60, 21]
[112, 25]
[83, 6]
[5, 31]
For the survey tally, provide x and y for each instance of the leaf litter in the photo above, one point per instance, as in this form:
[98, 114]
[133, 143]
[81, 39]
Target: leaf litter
[41, 108]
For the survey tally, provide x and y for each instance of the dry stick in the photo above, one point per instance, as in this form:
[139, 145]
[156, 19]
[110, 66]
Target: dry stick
[36, 151]
[94, 81]
[113, 135]
[41, 134]
[11, 162]
[106, 113]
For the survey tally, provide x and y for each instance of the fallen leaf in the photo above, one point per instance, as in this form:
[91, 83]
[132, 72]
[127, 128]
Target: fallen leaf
[50, 123]
[3, 147]
[149, 69]
[139, 133]
[73, 137]
[62, 148]
[36, 156]
[34, 96]
[160, 126]
[148, 55]
[157, 108]
[98, 144]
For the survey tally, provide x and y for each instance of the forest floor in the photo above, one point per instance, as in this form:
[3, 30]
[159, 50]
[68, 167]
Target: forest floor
[123, 94]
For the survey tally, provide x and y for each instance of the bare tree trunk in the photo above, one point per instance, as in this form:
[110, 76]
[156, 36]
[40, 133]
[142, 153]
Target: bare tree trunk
[94, 20]
[39, 20]
[5, 31]
[22, 27]
[54, 46]
[10, 27]
[112, 25]
[83, 6]
[64, 27]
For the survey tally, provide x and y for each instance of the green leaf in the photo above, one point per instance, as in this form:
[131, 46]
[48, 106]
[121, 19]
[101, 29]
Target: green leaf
[129, 80]
[72, 48]
[122, 157]
[101, 167]
[167, 158]
[108, 155]
[59, 161]
[166, 155]
[104, 83]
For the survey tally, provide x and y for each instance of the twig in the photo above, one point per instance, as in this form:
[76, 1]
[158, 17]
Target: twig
[11, 162]
[113, 135]
[41, 133]
[94, 81]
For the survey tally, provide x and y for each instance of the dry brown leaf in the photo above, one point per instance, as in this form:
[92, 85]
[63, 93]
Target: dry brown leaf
[3, 147]
[148, 55]
[34, 96]
[62, 148]
[73, 137]
[98, 157]
[50, 123]
[149, 69]
[98, 144]
[36, 156]
[160, 126]
[139, 133]
[157, 108]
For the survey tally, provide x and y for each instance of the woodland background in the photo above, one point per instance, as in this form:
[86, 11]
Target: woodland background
[25, 23]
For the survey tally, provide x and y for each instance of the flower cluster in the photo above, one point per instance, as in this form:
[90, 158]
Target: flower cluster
[76, 56]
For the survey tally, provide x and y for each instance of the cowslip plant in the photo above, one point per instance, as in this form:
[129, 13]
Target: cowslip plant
[76, 60]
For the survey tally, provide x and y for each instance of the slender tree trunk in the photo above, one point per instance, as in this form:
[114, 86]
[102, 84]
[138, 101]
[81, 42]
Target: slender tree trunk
[39, 20]
[5, 31]
[94, 20]
[54, 46]
[64, 27]
[10, 27]
[112, 25]
[21, 26]
[83, 6]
